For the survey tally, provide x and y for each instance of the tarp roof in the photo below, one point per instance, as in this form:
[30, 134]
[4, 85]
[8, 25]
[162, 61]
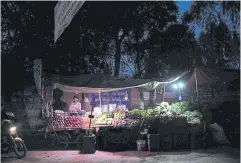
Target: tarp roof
[92, 83]
[210, 76]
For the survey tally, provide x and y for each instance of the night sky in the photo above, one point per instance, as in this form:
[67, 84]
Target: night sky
[184, 6]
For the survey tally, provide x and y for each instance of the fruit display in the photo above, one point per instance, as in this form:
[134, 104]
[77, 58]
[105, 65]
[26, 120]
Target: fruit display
[58, 121]
[61, 122]
[105, 119]
[73, 121]
[86, 123]
[119, 115]
[176, 113]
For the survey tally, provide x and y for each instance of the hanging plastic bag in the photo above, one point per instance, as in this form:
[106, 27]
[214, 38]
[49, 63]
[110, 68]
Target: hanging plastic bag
[218, 134]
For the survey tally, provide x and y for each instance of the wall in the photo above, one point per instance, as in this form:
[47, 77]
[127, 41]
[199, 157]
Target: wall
[27, 108]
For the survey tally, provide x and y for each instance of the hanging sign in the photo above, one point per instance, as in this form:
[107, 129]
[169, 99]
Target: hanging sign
[114, 97]
[64, 12]
[146, 96]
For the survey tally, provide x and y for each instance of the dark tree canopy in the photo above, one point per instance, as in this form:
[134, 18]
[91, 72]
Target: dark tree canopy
[146, 37]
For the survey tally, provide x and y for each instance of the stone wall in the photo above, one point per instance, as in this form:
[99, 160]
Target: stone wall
[27, 107]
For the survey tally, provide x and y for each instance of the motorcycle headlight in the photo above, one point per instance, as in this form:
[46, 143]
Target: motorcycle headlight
[13, 130]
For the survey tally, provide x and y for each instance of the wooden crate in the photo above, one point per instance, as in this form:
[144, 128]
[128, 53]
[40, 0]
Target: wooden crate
[180, 141]
[166, 141]
[197, 140]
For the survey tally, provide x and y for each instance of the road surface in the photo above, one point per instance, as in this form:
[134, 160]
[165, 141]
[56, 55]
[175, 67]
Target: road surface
[217, 155]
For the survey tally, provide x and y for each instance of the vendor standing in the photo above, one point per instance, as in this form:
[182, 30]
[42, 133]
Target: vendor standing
[75, 107]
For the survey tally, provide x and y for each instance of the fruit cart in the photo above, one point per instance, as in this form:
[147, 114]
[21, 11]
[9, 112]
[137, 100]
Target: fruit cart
[64, 130]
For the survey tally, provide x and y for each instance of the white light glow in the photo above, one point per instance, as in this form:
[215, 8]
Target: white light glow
[180, 85]
[12, 129]
[175, 86]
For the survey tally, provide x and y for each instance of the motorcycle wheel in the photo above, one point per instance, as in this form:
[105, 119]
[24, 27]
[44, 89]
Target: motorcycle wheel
[20, 149]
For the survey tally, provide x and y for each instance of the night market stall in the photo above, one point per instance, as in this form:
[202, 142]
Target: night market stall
[63, 128]
[117, 125]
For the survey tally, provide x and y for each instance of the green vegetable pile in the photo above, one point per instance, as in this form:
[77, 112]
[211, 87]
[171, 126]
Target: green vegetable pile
[179, 107]
[119, 115]
[175, 112]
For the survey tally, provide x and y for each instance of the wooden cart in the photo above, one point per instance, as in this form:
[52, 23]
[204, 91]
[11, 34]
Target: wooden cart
[62, 137]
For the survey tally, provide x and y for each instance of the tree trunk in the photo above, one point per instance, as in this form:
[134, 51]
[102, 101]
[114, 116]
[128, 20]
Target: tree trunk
[151, 100]
[117, 57]
[138, 66]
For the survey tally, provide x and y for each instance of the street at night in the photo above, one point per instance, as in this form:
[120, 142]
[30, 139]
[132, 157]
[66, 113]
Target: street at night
[218, 155]
[120, 81]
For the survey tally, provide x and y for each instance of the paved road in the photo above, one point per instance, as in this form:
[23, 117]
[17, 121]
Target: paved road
[218, 155]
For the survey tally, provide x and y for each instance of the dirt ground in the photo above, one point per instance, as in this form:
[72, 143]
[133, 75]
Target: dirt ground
[216, 155]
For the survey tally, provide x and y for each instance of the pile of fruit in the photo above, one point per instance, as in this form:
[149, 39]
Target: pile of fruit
[58, 121]
[86, 123]
[105, 119]
[73, 121]
[119, 116]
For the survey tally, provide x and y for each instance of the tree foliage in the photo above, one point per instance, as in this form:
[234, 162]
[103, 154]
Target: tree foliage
[106, 36]
[220, 36]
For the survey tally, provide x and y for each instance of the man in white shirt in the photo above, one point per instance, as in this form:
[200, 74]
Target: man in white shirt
[75, 107]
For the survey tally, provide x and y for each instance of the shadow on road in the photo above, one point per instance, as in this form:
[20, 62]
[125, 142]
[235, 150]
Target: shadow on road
[8, 156]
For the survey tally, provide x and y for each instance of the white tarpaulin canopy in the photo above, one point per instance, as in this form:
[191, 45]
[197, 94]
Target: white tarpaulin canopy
[92, 83]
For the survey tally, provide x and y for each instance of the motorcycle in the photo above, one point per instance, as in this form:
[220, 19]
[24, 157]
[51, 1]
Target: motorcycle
[10, 139]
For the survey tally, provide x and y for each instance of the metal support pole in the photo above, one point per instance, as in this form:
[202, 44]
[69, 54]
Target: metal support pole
[100, 99]
[163, 94]
[196, 83]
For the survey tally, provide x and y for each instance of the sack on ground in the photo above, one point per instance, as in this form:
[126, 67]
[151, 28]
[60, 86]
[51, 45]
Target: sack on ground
[218, 134]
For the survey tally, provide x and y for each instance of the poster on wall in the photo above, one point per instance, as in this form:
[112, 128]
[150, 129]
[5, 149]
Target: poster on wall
[146, 96]
[113, 98]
